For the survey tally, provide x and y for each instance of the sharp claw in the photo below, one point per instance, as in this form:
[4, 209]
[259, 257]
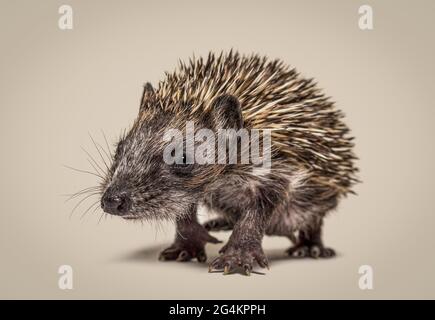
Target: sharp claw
[247, 270]
[265, 264]
[227, 269]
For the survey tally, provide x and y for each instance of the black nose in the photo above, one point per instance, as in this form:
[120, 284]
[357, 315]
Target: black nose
[118, 204]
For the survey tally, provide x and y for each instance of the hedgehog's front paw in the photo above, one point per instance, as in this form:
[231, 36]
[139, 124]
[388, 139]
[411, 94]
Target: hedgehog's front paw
[182, 252]
[189, 246]
[241, 257]
[312, 251]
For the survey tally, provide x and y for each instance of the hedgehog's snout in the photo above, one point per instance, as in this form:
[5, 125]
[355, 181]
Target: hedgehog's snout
[116, 203]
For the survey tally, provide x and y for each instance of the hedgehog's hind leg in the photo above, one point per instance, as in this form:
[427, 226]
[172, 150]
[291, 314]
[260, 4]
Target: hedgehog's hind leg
[308, 243]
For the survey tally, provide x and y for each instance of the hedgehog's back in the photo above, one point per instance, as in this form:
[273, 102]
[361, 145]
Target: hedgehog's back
[305, 124]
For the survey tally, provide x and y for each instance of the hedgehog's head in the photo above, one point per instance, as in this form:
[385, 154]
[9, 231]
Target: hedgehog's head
[152, 175]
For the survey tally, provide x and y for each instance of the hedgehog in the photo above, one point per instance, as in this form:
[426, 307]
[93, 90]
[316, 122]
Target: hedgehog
[311, 161]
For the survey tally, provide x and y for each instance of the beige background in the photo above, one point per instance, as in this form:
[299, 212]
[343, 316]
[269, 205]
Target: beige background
[56, 86]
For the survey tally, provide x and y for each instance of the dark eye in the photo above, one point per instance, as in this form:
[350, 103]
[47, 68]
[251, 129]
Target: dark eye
[182, 168]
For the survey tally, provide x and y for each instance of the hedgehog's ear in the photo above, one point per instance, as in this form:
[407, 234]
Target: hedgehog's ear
[148, 92]
[227, 112]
